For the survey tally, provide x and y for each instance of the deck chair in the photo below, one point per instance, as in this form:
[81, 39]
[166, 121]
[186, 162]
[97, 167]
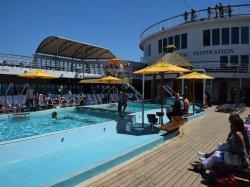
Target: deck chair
[116, 97]
[20, 102]
[3, 103]
[99, 98]
[111, 98]
[9, 103]
[89, 96]
[42, 104]
[138, 99]
[94, 98]
[131, 97]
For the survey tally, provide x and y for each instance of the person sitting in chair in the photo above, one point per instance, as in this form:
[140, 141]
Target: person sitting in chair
[177, 109]
[237, 147]
[186, 104]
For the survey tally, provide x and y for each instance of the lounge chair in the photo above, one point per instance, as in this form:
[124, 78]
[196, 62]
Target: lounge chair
[99, 98]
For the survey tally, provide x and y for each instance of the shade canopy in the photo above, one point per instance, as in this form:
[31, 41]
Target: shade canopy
[110, 79]
[62, 47]
[38, 74]
[162, 67]
[96, 81]
[115, 60]
[195, 75]
[176, 59]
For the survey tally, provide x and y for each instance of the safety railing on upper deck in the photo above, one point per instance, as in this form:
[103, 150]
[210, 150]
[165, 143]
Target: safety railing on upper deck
[89, 69]
[217, 67]
[196, 15]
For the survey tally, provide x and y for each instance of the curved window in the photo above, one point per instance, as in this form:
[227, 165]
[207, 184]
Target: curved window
[225, 36]
[165, 43]
[244, 35]
[159, 46]
[216, 37]
[147, 50]
[184, 41]
[206, 38]
[177, 41]
[235, 35]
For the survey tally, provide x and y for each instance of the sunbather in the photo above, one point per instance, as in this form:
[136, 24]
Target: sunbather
[235, 146]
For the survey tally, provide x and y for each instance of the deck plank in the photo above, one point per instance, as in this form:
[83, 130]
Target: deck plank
[168, 163]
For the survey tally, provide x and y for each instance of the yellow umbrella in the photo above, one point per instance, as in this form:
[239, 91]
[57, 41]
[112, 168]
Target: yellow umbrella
[38, 74]
[194, 76]
[162, 68]
[115, 60]
[110, 79]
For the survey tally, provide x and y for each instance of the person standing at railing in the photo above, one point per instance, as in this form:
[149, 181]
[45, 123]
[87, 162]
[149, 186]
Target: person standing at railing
[221, 10]
[216, 11]
[185, 15]
[193, 15]
[209, 12]
[229, 10]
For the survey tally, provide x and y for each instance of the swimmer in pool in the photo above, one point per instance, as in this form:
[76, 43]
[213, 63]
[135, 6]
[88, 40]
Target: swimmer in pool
[54, 115]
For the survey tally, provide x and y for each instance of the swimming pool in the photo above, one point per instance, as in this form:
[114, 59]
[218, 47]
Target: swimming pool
[69, 157]
[39, 123]
[131, 107]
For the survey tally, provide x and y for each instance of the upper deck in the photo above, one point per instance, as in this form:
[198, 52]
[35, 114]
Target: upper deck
[195, 16]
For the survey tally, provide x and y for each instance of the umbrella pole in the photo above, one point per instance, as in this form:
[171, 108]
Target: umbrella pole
[193, 96]
[143, 77]
[161, 91]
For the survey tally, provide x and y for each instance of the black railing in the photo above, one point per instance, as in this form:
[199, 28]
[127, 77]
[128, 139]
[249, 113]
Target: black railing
[193, 16]
[218, 67]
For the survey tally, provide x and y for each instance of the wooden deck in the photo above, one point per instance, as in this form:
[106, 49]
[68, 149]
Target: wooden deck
[167, 164]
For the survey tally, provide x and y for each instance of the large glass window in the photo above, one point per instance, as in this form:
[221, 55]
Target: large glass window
[244, 61]
[223, 61]
[206, 38]
[234, 60]
[225, 36]
[177, 41]
[159, 46]
[216, 37]
[165, 43]
[147, 51]
[245, 35]
[235, 35]
[171, 40]
[184, 41]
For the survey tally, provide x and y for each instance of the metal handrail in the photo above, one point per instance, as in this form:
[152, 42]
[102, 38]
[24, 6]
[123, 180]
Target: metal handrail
[168, 89]
[179, 19]
[133, 89]
[27, 84]
[11, 84]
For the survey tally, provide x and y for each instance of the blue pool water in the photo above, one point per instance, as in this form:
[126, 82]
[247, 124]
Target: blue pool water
[131, 107]
[82, 154]
[42, 123]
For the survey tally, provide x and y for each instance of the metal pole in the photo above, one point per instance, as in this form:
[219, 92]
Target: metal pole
[143, 77]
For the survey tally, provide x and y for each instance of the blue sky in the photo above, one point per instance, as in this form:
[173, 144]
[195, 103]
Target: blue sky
[112, 24]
